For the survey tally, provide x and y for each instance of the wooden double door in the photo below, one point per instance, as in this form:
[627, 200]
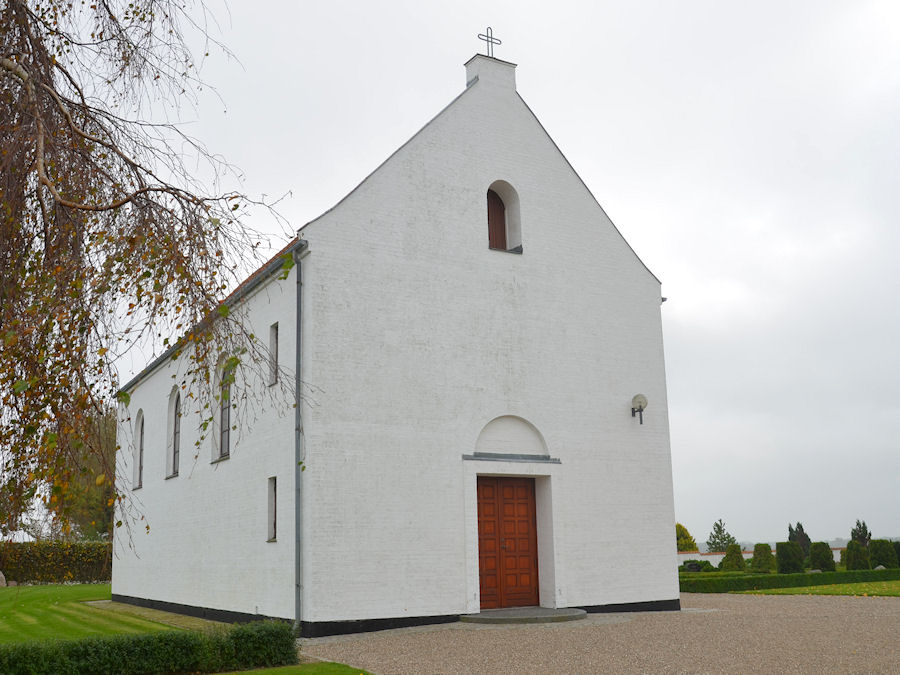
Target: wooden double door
[507, 542]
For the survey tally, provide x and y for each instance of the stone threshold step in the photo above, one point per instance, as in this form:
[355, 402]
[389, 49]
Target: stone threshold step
[525, 615]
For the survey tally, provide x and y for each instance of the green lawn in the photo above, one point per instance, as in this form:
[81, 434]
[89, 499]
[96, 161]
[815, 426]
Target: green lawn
[864, 588]
[36, 612]
[40, 612]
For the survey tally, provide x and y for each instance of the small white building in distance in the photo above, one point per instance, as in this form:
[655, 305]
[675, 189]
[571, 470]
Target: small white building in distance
[470, 331]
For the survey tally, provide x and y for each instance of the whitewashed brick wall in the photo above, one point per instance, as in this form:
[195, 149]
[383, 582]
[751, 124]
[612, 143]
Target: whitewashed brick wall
[206, 545]
[416, 336]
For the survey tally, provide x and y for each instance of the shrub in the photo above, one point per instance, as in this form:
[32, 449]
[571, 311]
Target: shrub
[683, 539]
[857, 557]
[725, 583]
[860, 533]
[797, 534]
[881, 552]
[733, 560]
[253, 645]
[843, 561]
[55, 561]
[700, 565]
[789, 557]
[896, 545]
[821, 557]
[762, 561]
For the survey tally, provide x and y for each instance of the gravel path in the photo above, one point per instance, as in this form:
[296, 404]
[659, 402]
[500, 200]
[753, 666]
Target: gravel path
[712, 634]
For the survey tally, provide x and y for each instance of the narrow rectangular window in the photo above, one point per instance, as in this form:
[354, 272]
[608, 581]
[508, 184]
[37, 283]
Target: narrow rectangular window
[273, 353]
[140, 472]
[225, 421]
[273, 503]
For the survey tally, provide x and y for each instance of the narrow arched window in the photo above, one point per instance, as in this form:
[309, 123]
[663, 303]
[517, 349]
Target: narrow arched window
[173, 433]
[139, 460]
[225, 420]
[496, 221]
[176, 434]
[504, 218]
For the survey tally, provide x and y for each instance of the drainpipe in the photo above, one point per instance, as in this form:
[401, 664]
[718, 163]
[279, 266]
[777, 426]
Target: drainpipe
[299, 452]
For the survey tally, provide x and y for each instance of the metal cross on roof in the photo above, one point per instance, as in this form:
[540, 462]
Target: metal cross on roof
[488, 37]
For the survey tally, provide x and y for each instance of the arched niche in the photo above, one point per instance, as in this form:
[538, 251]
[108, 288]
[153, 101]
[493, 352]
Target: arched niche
[504, 213]
[510, 435]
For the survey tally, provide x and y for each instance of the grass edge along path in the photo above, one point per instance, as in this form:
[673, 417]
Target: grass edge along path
[859, 589]
[73, 611]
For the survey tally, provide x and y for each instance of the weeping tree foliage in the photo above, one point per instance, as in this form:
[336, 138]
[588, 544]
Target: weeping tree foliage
[107, 239]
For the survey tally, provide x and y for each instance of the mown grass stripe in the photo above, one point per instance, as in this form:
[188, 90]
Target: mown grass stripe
[40, 612]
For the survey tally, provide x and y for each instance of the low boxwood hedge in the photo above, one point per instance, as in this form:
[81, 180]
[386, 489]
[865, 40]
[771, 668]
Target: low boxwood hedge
[750, 582]
[55, 561]
[239, 647]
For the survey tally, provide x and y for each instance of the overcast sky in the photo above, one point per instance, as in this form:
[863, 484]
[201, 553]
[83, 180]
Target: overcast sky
[749, 152]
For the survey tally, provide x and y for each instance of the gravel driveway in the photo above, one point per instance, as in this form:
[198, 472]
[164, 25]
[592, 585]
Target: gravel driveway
[712, 634]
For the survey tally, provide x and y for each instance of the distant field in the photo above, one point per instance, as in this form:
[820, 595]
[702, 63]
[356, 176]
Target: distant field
[865, 588]
[37, 612]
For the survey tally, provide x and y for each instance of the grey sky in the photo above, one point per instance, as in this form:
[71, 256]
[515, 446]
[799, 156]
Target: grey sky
[749, 152]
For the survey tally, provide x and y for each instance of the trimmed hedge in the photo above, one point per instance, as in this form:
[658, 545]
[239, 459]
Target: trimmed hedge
[896, 545]
[750, 582]
[857, 556]
[788, 557]
[762, 561]
[55, 561]
[239, 647]
[821, 557]
[733, 560]
[881, 552]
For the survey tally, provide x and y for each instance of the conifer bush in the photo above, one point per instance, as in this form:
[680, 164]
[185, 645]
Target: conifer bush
[733, 560]
[762, 561]
[881, 552]
[821, 557]
[857, 557]
[789, 557]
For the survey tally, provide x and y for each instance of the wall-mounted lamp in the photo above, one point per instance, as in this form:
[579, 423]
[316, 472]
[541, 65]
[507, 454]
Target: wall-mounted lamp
[638, 406]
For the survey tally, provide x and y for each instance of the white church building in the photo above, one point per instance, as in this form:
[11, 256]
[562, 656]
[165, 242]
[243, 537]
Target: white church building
[469, 332]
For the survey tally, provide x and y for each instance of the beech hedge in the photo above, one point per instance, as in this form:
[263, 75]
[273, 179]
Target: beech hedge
[239, 647]
[55, 561]
[752, 582]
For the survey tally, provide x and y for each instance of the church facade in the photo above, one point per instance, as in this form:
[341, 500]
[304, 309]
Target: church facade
[469, 331]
